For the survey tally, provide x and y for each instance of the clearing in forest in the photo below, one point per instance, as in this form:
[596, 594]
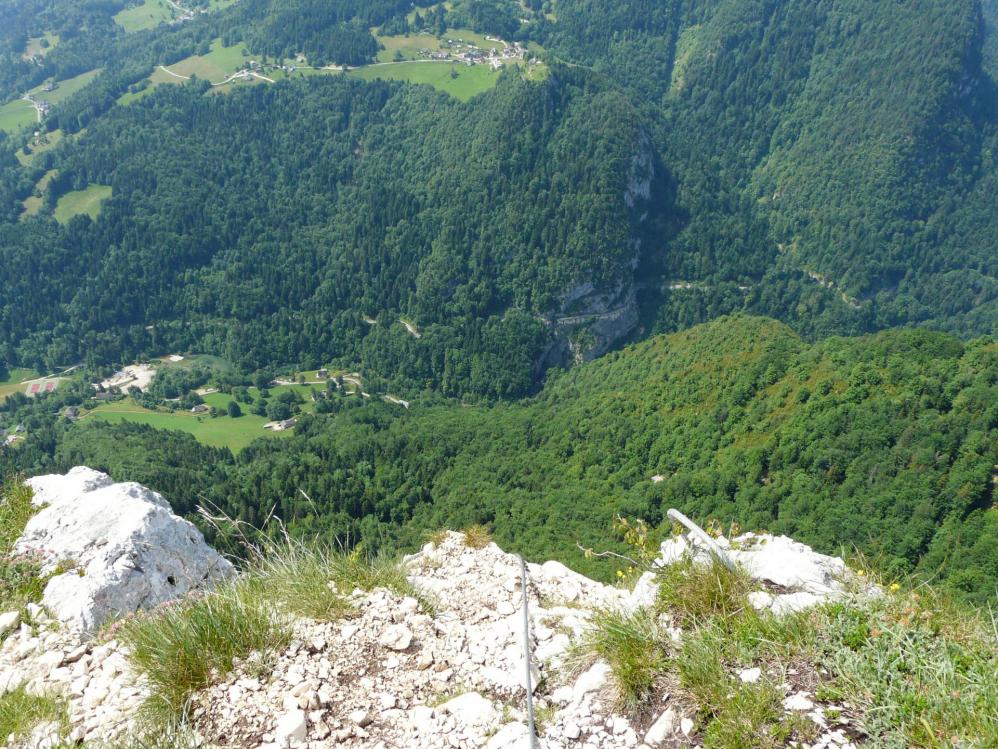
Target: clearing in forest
[459, 80]
[81, 201]
[145, 15]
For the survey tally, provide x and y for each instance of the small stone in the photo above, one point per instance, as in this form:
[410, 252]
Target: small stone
[572, 731]
[396, 637]
[798, 701]
[750, 675]
[686, 726]
[662, 728]
[361, 718]
[292, 726]
[9, 622]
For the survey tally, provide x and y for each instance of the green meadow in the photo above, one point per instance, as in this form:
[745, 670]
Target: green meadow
[460, 81]
[16, 115]
[14, 382]
[81, 201]
[216, 431]
[216, 66]
[147, 15]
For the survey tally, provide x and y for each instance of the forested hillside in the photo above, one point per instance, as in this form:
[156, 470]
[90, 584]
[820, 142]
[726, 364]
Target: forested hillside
[380, 201]
[884, 444]
[829, 163]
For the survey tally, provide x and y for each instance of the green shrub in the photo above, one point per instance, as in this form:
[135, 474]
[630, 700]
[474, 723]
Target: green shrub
[633, 646]
[180, 647]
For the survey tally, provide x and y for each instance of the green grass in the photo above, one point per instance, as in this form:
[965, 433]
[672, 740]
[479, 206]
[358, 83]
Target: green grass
[470, 81]
[33, 203]
[49, 141]
[409, 46]
[633, 646]
[220, 431]
[79, 202]
[21, 580]
[34, 44]
[65, 88]
[296, 577]
[183, 646]
[146, 15]
[14, 382]
[215, 66]
[17, 115]
[697, 593]
[21, 712]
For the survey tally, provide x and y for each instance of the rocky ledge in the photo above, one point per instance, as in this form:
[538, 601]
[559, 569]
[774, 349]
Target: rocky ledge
[393, 674]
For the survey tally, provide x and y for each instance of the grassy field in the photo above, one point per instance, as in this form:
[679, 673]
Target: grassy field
[33, 204]
[216, 66]
[220, 431]
[217, 432]
[17, 115]
[34, 46]
[65, 88]
[469, 81]
[81, 201]
[409, 46]
[50, 141]
[14, 381]
[147, 15]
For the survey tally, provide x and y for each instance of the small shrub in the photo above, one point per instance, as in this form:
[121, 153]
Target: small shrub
[181, 646]
[633, 646]
[477, 536]
[696, 593]
[21, 712]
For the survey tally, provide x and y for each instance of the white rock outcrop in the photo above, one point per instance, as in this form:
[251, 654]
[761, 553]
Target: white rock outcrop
[440, 669]
[120, 547]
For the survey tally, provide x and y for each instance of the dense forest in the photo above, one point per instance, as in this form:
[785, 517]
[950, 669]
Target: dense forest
[884, 444]
[829, 165]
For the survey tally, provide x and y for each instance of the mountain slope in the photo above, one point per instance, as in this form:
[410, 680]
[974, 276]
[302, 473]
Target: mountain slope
[884, 444]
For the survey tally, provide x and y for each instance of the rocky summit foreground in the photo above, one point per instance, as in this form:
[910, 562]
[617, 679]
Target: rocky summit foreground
[446, 670]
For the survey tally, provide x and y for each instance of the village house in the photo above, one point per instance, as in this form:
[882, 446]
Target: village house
[200, 408]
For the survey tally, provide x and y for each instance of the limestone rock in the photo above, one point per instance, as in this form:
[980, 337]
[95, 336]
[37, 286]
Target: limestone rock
[9, 622]
[125, 548]
[662, 728]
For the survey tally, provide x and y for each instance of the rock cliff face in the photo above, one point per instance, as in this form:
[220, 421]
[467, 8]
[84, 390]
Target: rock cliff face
[394, 674]
[589, 320]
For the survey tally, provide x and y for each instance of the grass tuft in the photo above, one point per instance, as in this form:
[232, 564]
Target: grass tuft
[313, 581]
[182, 646]
[477, 536]
[633, 646]
[21, 581]
[696, 593]
[21, 713]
